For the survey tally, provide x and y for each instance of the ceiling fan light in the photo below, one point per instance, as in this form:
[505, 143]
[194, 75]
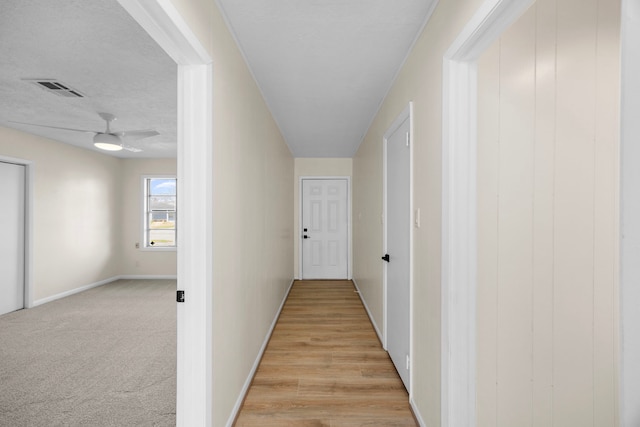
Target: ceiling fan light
[108, 142]
[107, 146]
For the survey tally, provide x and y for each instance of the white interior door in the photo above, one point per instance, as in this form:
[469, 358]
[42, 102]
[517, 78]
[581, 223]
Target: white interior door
[324, 233]
[12, 210]
[398, 229]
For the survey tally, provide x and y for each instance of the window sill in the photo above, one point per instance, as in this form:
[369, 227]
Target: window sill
[159, 249]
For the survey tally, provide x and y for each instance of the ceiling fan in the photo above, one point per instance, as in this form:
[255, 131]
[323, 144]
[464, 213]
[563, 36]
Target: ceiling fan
[108, 140]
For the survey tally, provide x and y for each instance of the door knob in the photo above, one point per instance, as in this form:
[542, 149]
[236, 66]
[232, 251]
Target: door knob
[386, 257]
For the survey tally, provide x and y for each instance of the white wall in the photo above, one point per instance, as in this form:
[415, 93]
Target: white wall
[548, 218]
[252, 215]
[76, 205]
[139, 262]
[314, 167]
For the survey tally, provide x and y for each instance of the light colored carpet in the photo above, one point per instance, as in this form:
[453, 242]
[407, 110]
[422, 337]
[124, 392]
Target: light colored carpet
[103, 357]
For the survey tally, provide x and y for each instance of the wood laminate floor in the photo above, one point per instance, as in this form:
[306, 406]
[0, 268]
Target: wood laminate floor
[324, 366]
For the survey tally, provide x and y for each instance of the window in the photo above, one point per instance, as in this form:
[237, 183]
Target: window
[160, 197]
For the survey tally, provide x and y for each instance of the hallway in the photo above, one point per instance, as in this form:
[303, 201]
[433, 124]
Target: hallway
[324, 366]
[523, 242]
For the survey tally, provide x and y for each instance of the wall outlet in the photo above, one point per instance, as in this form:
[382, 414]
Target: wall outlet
[137, 245]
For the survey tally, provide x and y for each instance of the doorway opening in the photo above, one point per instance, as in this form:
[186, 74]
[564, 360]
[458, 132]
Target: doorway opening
[459, 211]
[166, 26]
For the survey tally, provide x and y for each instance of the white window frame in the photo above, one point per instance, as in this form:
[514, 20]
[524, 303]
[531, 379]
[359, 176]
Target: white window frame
[144, 246]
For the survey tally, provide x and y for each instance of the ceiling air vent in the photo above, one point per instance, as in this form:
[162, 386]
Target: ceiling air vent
[56, 87]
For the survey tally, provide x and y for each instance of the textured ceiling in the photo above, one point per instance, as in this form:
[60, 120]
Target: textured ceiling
[324, 66]
[97, 48]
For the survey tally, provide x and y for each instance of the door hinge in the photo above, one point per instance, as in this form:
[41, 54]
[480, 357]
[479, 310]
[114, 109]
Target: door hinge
[407, 139]
[408, 363]
[180, 296]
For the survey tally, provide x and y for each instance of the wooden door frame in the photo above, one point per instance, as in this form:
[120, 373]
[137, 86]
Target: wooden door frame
[407, 113]
[29, 176]
[459, 225]
[299, 231]
[167, 27]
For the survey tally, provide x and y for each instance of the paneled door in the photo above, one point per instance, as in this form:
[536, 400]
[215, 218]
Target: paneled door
[12, 211]
[324, 233]
[398, 230]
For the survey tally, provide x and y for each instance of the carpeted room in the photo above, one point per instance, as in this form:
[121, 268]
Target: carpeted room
[105, 356]
[107, 353]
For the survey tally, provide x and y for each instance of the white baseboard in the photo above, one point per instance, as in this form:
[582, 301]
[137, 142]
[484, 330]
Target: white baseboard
[148, 277]
[73, 291]
[366, 307]
[252, 373]
[95, 285]
[415, 410]
[417, 413]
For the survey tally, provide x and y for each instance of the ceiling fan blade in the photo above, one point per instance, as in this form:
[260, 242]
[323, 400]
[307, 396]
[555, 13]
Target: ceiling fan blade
[130, 148]
[137, 134]
[56, 127]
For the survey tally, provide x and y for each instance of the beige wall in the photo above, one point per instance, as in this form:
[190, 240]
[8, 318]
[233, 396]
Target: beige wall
[252, 215]
[138, 262]
[548, 218]
[76, 207]
[87, 214]
[583, 194]
[314, 167]
[420, 81]
[367, 225]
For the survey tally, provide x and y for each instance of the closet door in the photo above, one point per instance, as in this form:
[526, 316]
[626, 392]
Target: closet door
[12, 211]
